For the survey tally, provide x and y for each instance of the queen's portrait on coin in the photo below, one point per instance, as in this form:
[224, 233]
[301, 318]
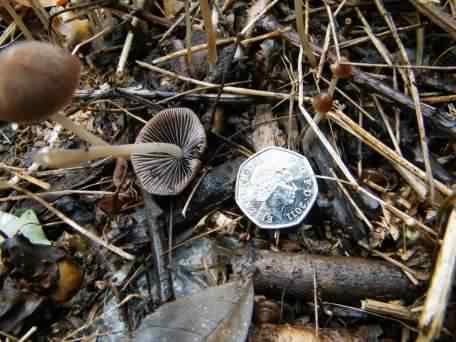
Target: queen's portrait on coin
[273, 189]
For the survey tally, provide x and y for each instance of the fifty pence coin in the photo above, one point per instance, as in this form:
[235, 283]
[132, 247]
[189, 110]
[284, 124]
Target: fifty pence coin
[275, 188]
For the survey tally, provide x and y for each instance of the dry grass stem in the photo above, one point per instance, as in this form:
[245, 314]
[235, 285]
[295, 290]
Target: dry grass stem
[211, 38]
[438, 294]
[388, 309]
[415, 96]
[437, 15]
[128, 42]
[234, 90]
[332, 25]
[360, 40]
[352, 127]
[304, 38]
[410, 273]
[221, 42]
[17, 19]
[75, 225]
[358, 211]
[407, 219]
[28, 334]
[403, 66]
[247, 29]
[62, 193]
[340, 164]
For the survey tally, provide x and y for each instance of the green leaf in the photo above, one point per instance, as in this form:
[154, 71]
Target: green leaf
[27, 224]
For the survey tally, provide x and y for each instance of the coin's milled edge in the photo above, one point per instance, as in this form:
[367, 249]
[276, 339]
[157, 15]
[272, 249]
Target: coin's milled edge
[311, 202]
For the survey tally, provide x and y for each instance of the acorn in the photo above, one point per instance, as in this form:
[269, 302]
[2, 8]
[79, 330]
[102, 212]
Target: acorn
[322, 103]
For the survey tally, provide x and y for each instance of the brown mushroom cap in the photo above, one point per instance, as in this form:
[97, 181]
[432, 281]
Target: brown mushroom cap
[162, 174]
[36, 80]
[322, 103]
[342, 70]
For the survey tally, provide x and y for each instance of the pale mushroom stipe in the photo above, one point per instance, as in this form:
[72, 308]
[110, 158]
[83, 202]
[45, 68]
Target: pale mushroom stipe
[37, 79]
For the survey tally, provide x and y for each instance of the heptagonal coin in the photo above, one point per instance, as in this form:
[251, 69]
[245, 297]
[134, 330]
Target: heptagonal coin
[276, 188]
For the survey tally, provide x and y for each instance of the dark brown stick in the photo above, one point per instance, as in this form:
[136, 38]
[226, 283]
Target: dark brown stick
[339, 279]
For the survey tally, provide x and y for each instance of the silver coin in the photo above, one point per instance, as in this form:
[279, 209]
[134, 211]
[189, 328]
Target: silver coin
[276, 188]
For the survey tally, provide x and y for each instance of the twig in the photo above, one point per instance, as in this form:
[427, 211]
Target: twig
[105, 313]
[304, 38]
[417, 184]
[360, 40]
[389, 309]
[223, 41]
[437, 16]
[128, 42]
[333, 29]
[40, 12]
[234, 90]
[415, 96]
[247, 28]
[411, 274]
[28, 334]
[350, 126]
[62, 193]
[178, 21]
[407, 219]
[402, 66]
[315, 299]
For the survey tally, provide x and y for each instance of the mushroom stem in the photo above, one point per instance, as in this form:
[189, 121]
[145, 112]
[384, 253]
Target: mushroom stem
[59, 158]
[80, 131]
[332, 86]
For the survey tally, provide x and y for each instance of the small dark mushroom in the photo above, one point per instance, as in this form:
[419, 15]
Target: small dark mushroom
[340, 70]
[322, 103]
[37, 79]
[162, 174]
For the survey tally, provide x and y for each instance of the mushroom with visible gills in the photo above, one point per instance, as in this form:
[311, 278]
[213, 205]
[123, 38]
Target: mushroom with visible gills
[162, 174]
[37, 79]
